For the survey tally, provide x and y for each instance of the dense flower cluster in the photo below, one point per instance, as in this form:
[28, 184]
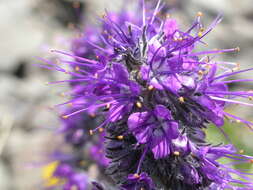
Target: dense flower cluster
[153, 95]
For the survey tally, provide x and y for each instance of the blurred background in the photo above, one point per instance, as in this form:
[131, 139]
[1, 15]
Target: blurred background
[30, 28]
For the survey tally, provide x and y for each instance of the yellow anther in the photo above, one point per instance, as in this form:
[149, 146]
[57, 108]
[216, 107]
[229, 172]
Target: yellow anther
[201, 29]
[101, 130]
[65, 117]
[82, 163]
[235, 69]
[199, 13]
[136, 175]
[77, 68]
[200, 72]
[176, 153]
[250, 97]
[138, 104]
[92, 115]
[181, 99]
[150, 87]
[237, 49]
[70, 104]
[241, 151]
[251, 161]
[108, 106]
[91, 132]
[200, 34]
[120, 137]
[62, 94]
[238, 121]
[168, 15]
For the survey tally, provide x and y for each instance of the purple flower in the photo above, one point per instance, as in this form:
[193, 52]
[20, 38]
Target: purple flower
[156, 129]
[155, 94]
[135, 181]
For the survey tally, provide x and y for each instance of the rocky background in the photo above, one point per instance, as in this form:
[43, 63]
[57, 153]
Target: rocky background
[30, 28]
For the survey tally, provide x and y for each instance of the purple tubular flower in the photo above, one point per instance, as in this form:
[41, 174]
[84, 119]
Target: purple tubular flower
[76, 128]
[156, 129]
[135, 181]
[155, 94]
[97, 153]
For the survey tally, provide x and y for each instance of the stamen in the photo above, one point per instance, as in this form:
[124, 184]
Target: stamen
[181, 99]
[150, 87]
[101, 130]
[108, 106]
[77, 68]
[91, 132]
[120, 137]
[176, 153]
[65, 117]
[238, 121]
[199, 14]
[241, 151]
[136, 175]
[200, 34]
[138, 104]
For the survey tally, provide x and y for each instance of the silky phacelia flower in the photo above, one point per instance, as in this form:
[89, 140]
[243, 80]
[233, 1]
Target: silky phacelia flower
[155, 94]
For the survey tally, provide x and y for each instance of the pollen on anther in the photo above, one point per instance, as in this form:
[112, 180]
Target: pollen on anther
[65, 117]
[108, 106]
[237, 49]
[70, 104]
[101, 130]
[91, 132]
[92, 115]
[238, 121]
[181, 99]
[136, 175]
[120, 137]
[199, 13]
[77, 68]
[241, 151]
[176, 153]
[138, 104]
[150, 87]
[200, 34]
